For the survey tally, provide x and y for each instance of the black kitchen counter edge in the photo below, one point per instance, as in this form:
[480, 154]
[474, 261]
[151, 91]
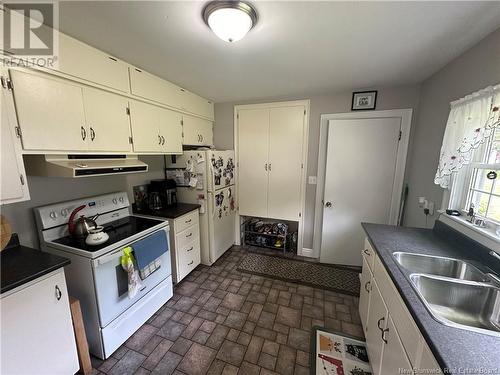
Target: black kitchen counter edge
[20, 265]
[453, 348]
[169, 213]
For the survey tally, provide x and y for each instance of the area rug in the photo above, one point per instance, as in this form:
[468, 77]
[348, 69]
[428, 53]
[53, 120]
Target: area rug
[336, 278]
[337, 353]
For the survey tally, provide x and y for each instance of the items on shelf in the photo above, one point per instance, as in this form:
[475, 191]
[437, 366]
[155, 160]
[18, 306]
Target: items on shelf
[270, 234]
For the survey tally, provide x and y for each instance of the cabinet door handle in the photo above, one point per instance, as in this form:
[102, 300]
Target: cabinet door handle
[92, 134]
[380, 321]
[58, 293]
[190, 249]
[265, 167]
[190, 262]
[83, 132]
[159, 139]
[162, 140]
[269, 167]
[383, 335]
[189, 235]
[367, 252]
[201, 137]
[188, 221]
[367, 285]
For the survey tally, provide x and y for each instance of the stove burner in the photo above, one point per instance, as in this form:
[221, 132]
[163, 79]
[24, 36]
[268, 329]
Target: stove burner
[117, 230]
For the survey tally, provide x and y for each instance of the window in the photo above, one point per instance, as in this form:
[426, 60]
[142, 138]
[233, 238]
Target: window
[482, 179]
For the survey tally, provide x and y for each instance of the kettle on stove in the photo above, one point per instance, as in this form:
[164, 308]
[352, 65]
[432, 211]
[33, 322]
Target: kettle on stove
[81, 227]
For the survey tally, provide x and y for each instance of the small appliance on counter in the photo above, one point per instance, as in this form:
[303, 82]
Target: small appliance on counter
[166, 190]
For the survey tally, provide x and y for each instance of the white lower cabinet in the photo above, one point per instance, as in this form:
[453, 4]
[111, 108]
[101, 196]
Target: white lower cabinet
[37, 331]
[185, 244]
[395, 344]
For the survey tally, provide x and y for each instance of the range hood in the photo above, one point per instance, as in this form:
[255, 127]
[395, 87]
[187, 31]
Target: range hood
[77, 166]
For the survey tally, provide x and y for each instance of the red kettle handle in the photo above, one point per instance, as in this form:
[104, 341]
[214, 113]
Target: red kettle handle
[71, 222]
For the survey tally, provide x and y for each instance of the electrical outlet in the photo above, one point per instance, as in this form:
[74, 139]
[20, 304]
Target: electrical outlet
[312, 180]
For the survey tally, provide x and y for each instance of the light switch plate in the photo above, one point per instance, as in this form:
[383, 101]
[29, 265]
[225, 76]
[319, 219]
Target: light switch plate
[312, 180]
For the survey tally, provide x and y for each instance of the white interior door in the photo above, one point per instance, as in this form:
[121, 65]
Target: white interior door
[253, 147]
[107, 121]
[50, 113]
[286, 135]
[360, 173]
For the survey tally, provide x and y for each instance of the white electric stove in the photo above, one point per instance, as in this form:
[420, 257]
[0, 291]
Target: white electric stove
[95, 275]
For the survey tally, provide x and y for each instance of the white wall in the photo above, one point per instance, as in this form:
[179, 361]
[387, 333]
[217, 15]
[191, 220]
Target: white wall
[388, 98]
[473, 70]
[47, 190]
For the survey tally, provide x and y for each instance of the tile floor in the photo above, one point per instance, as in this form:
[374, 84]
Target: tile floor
[222, 321]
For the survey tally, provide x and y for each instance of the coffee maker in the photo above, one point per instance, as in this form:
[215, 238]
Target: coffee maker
[166, 189]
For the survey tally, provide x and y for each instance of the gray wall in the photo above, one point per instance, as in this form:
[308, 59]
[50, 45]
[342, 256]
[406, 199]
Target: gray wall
[47, 190]
[388, 98]
[473, 70]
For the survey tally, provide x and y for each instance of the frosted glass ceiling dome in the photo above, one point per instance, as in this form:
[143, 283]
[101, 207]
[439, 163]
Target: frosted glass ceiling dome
[230, 20]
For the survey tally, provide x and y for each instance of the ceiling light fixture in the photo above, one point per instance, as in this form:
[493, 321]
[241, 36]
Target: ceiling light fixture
[230, 20]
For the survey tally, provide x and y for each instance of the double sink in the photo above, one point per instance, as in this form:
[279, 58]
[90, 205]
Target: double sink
[455, 292]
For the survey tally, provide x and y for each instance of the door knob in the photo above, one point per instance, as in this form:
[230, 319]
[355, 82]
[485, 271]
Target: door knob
[328, 204]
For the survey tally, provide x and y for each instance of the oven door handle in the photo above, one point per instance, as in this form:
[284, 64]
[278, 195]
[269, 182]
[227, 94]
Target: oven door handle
[108, 258]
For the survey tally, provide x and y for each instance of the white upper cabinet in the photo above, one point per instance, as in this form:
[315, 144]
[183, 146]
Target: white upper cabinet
[155, 129]
[150, 87]
[50, 112]
[107, 121]
[13, 183]
[83, 61]
[193, 103]
[170, 124]
[197, 131]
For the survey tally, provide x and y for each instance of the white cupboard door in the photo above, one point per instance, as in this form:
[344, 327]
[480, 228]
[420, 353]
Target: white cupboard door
[253, 147]
[364, 294]
[83, 61]
[107, 121]
[154, 88]
[145, 128]
[37, 332]
[170, 124]
[50, 113]
[394, 359]
[13, 183]
[193, 103]
[197, 131]
[377, 320]
[286, 135]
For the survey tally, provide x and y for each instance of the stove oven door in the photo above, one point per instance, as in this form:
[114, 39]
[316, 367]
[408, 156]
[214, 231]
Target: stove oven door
[111, 283]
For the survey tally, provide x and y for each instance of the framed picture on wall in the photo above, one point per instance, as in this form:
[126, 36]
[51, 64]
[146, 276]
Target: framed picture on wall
[364, 100]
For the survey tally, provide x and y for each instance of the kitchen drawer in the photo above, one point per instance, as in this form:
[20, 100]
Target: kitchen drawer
[188, 257]
[187, 236]
[185, 221]
[368, 254]
[405, 325]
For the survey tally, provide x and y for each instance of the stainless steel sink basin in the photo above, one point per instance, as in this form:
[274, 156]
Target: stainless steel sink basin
[469, 305]
[440, 266]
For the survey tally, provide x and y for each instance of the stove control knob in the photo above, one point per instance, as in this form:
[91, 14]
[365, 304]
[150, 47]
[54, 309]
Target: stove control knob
[64, 212]
[53, 215]
[121, 199]
[115, 201]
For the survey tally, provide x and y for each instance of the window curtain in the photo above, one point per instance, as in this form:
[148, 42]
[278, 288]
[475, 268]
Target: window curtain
[471, 122]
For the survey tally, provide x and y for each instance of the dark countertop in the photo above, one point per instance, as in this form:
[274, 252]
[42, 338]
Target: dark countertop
[169, 213]
[452, 347]
[20, 264]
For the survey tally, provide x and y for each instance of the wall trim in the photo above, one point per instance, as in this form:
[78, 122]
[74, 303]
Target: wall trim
[406, 117]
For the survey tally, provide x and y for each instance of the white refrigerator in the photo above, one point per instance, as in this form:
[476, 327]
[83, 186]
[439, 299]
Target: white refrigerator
[206, 177]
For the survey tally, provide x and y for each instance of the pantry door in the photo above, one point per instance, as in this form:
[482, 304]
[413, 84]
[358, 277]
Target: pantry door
[253, 144]
[361, 171]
